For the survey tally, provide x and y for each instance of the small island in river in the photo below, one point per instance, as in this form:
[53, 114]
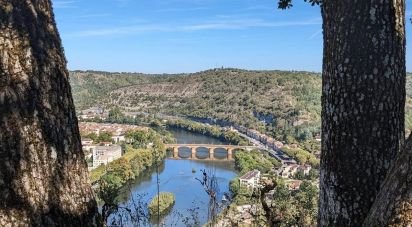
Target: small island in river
[161, 203]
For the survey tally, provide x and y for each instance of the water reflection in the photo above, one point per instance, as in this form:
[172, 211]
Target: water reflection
[180, 178]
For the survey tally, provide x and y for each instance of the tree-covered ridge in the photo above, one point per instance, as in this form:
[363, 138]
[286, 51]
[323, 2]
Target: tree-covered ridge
[282, 99]
[91, 87]
[288, 101]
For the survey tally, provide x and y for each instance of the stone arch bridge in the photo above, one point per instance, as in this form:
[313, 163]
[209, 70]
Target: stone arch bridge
[230, 149]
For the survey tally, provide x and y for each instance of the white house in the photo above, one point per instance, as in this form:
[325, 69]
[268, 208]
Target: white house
[106, 154]
[250, 180]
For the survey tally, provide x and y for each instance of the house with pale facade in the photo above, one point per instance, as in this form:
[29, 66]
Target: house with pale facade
[250, 180]
[106, 154]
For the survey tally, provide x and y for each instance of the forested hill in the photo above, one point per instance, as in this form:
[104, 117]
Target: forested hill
[289, 102]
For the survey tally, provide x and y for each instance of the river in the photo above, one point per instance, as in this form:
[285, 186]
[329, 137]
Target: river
[179, 177]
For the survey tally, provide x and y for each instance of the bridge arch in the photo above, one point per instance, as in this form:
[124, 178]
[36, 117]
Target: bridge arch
[202, 152]
[184, 152]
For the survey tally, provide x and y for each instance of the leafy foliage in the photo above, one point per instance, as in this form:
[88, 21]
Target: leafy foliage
[294, 208]
[165, 201]
[302, 156]
[102, 137]
[286, 4]
[246, 161]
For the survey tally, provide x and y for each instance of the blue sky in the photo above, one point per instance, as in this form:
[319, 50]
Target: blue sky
[172, 36]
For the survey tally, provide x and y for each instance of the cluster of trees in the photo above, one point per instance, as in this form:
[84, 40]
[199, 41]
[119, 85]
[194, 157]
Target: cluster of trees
[102, 137]
[143, 139]
[246, 161]
[294, 208]
[161, 203]
[208, 130]
[302, 156]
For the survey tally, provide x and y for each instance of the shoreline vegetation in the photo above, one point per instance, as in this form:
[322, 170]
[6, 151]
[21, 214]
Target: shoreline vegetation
[165, 200]
[208, 130]
[132, 163]
[145, 150]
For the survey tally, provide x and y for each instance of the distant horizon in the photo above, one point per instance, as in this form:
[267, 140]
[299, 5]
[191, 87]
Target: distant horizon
[137, 72]
[203, 70]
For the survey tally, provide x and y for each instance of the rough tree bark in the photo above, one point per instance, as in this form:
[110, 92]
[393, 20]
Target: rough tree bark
[363, 99]
[43, 175]
[393, 206]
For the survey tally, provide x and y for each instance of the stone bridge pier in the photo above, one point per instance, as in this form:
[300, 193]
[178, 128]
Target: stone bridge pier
[193, 156]
[230, 153]
[212, 153]
[175, 152]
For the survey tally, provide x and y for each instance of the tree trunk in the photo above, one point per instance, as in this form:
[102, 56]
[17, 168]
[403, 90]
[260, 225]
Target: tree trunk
[363, 99]
[393, 206]
[43, 175]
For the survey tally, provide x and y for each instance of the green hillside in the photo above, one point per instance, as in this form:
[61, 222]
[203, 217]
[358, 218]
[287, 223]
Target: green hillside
[277, 102]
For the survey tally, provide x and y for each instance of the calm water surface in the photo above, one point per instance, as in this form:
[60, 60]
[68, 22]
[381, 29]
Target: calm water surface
[179, 177]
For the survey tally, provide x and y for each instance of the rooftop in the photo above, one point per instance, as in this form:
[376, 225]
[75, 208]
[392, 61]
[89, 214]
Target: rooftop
[115, 129]
[108, 148]
[249, 175]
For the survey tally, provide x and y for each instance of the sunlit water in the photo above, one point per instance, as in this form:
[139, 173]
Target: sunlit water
[179, 177]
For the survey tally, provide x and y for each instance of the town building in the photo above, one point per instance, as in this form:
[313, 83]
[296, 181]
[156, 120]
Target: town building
[290, 170]
[114, 129]
[250, 180]
[106, 154]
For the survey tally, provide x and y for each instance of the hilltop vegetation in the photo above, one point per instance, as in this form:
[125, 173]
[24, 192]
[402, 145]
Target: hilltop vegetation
[91, 87]
[279, 103]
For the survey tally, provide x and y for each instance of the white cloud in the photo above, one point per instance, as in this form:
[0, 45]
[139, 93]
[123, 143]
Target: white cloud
[207, 25]
[63, 4]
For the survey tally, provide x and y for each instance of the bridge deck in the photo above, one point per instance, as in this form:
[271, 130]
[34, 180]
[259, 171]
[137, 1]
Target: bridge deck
[209, 145]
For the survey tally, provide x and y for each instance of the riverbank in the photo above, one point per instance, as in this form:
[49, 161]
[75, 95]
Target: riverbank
[116, 174]
[177, 177]
[208, 130]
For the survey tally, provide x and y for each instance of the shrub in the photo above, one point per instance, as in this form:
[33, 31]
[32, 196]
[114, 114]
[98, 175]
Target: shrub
[165, 199]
